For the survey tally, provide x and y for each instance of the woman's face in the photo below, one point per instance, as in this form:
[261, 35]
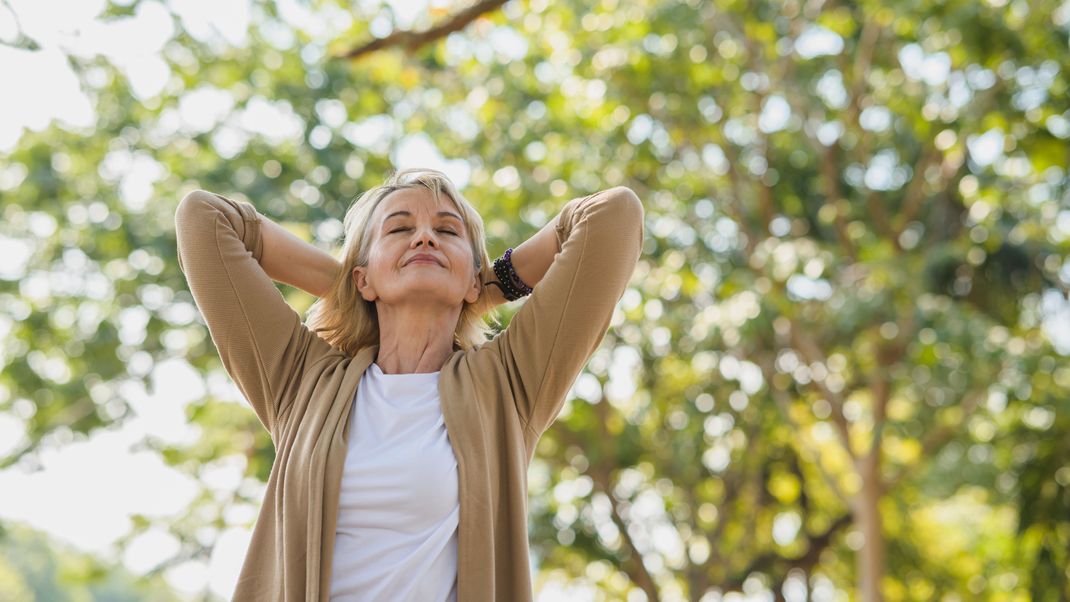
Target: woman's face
[409, 223]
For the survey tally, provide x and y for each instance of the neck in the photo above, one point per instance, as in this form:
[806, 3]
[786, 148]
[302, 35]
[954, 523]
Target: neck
[414, 339]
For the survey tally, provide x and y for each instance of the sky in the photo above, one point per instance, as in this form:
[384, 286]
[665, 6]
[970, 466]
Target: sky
[107, 473]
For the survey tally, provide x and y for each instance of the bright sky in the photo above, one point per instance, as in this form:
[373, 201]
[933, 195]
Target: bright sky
[50, 92]
[107, 473]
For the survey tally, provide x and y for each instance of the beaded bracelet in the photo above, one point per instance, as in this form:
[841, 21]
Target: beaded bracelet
[508, 281]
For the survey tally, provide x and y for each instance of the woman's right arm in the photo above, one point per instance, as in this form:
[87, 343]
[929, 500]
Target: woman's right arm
[287, 258]
[261, 340]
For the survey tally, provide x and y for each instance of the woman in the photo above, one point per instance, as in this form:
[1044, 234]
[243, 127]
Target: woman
[402, 430]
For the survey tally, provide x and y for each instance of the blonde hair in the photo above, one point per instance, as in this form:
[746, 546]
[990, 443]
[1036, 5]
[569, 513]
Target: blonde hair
[346, 320]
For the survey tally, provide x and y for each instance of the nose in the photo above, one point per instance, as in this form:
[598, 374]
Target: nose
[426, 236]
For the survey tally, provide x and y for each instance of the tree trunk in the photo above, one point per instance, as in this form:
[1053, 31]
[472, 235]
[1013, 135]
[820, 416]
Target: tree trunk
[867, 513]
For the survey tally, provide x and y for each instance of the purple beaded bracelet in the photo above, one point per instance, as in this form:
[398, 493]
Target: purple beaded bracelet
[508, 281]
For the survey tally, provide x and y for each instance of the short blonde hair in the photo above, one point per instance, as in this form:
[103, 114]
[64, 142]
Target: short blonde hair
[346, 320]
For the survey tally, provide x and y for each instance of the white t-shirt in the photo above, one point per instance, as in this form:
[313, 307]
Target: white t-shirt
[398, 511]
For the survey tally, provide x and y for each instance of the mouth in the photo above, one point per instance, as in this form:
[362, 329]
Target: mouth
[423, 259]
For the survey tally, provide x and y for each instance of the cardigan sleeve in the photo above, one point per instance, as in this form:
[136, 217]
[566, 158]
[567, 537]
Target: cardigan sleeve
[549, 340]
[261, 340]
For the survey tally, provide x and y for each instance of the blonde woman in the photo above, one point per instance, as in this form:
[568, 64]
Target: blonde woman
[403, 426]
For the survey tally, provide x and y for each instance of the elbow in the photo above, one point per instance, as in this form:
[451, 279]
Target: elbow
[199, 208]
[194, 197]
[619, 213]
[194, 203]
[191, 223]
[629, 207]
[617, 210]
[198, 198]
[619, 201]
[626, 196]
[199, 213]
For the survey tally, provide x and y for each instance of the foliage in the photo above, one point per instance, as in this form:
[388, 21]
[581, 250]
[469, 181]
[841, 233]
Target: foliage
[857, 217]
[34, 568]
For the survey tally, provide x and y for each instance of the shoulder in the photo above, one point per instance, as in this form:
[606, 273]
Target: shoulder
[481, 364]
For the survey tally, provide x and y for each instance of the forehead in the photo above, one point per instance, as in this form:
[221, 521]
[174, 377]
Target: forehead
[411, 201]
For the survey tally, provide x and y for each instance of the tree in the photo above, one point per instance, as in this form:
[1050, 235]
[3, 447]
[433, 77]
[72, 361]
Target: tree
[839, 371]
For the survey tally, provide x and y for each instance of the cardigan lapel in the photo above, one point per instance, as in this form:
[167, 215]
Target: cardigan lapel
[319, 569]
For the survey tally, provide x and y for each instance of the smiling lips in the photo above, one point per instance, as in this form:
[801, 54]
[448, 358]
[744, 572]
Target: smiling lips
[423, 258]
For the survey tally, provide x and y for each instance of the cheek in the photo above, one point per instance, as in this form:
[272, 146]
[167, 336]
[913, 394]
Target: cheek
[464, 249]
[378, 269]
[465, 263]
[385, 252]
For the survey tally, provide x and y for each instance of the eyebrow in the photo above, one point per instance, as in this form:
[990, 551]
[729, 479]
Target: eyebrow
[440, 213]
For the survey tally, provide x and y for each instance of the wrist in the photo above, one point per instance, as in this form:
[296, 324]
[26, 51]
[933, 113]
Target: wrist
[328, 273]
[511, 284]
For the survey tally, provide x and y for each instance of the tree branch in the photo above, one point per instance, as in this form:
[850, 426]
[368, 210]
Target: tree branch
[812, 353]
[831, 175]
[601, 473]
[411, 40]
[635, 568]
[22, 41]
[930, 155]
[806, 562]
[887, 355]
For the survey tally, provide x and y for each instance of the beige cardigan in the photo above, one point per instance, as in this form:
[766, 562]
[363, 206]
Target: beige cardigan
[497, 399]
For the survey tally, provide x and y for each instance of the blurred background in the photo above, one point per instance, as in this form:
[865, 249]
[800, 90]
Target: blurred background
[839, 373]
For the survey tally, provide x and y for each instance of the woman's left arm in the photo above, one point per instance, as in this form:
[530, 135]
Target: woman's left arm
[532, 259]
[597, 241]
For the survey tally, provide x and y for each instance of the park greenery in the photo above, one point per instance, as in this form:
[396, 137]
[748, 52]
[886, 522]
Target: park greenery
[834, 374]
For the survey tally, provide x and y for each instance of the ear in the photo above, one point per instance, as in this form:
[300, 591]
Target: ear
[474, 291]
[360, 280]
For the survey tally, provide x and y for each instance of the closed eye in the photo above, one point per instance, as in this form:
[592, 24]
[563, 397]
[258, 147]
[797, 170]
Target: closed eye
[440, 230]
